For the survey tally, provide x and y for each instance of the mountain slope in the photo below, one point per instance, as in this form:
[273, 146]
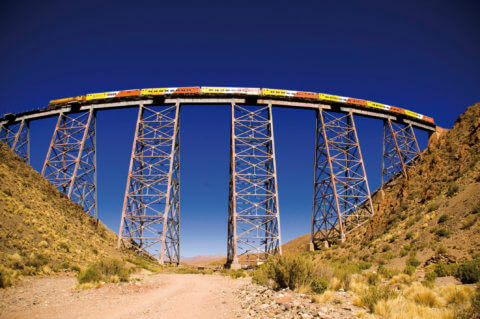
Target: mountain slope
[41, 230]
[435, 213]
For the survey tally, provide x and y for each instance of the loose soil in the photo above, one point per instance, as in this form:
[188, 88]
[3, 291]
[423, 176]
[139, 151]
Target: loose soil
[155, 296]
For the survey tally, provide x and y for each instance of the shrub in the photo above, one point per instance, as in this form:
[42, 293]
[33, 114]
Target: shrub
[413, 261]
[433, 206]
[6, 278]
[387, 272]
[372, 279]
[104, 270]
[452, 189]
[362, 265]
[285, 271]
[319, 285]
[238, 273]
[409, 270]
[386, 248]
[443, 218]
[409, 236]
[443, 270]
[442, 232]
[369, 297]
[468, 222]
[469, 271]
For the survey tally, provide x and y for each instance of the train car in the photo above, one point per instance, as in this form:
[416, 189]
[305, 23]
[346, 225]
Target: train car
[375, 105]
[357, 102]
[397, 110]
[209, 90]
[290, 94]
[428, 119]
[157, 91]
[332, 98]
[128, 93]
[67, 100]
[187, 90]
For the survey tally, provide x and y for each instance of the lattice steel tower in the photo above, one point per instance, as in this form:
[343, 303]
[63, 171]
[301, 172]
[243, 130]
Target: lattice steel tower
[151, 210]
[400, 149]
[17, 137]
[70, 164]
[342, 198]
[253, 214]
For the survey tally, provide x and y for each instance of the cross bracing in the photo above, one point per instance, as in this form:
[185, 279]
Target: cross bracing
[151, 210]
[254, 219]
[17, 137]
[70, 164]
[400, 149]
[342, 198]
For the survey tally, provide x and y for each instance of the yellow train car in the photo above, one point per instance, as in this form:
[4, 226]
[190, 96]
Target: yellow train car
[68, 100]
[274, 92]
[156, 91]
[96, 96]
[332, 98]
[412, 114]
[375, 105]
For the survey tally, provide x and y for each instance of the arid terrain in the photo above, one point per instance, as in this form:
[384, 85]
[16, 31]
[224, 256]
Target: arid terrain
[418, 257]
[156, 296]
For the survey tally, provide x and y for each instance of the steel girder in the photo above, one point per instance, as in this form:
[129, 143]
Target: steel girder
[17, 137]
[400, 149]
[254, 218]
[341, 200]
[70, 164]
[151, 210]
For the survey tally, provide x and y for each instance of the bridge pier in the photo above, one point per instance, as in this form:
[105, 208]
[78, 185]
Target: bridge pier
[151, 209]
[400, 149]
[70, 164]
[17, 137]
[341, 199]
[253, 214]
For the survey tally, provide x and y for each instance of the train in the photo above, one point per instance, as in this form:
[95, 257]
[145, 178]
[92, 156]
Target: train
[235, 91]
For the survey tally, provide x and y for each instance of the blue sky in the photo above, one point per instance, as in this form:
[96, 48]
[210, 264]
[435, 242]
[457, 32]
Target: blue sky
[421, 55]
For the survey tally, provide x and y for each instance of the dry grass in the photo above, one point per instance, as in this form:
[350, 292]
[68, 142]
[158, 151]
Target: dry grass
[454, 294]
[41, 231]
[327, 296]
[401, 308]
[401, 279]
[424, 296]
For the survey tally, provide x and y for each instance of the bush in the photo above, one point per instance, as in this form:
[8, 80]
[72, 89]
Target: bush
[387, 272]
[409, 236]
[468, 222]
[443, 270]
[442, 232]
[104, 270]
[369, 297]
[452, 189]
[443, 218]
[319, 285]
[6, 278]
[469, 271]
[413, 261]
[409, 270]
[286, 271]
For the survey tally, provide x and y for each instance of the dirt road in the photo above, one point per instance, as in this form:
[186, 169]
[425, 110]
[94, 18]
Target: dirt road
[156, 296]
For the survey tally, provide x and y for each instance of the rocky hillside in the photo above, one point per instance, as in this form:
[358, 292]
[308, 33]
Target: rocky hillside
[41, 230]
[434, 214]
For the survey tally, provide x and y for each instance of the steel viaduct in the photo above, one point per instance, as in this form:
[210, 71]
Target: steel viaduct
[151, 208]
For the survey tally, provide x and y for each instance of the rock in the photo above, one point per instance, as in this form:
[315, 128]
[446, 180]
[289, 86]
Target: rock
[283, 300]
